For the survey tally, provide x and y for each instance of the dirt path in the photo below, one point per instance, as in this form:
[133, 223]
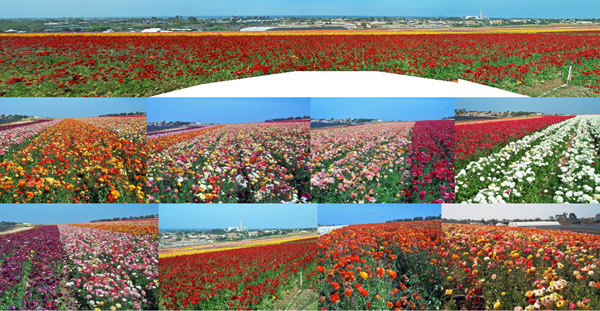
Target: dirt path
[15, 230]
[296, 299]
[565, 159]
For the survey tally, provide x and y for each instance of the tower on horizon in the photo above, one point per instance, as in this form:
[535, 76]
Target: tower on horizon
[480, 13]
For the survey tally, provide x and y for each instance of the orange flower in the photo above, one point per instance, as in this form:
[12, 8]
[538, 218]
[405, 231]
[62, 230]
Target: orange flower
[335, 285]
[391, 273]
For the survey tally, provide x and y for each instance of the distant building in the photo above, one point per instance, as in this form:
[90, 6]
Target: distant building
[231, 235]
[477, 17]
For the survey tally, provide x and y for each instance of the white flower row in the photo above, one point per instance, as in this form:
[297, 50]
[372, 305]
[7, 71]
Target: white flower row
[580, 182]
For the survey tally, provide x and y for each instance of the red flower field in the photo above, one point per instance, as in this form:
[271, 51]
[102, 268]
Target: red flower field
[141, 65]
[245, 278]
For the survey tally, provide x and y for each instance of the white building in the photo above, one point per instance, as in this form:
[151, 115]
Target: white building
[256, 29]
[238, 229]
[477, 17]
[147, 30]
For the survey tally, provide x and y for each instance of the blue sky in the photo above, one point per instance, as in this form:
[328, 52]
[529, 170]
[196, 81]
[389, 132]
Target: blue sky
[403, 109]
[351, 214]
[70, 107]
[225, 110]
[493, 8]
[47, 214]
[512, 211]
[545, 105]
[220, 216]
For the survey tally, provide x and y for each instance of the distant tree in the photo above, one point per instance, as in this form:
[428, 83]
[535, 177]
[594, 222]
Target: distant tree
[572, 216]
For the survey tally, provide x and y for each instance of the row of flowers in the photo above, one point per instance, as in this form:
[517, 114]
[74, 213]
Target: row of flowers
[16, 134]
[431, 162]
[147, 227]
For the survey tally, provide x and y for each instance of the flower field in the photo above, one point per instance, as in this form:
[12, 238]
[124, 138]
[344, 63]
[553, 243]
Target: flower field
[556, 163]
[383, 162]
[129, 65]
[70, 267]
[390, 266]
[234, 163]
[75, 161]
[246, 278]
[474, 140]
[488, 267]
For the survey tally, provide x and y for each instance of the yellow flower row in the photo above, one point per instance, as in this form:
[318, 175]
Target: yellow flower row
[312, 33]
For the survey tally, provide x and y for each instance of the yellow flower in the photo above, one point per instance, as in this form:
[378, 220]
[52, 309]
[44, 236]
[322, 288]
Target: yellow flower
[449, 291]
[364, 275]
[118, 305]
[497, 305]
